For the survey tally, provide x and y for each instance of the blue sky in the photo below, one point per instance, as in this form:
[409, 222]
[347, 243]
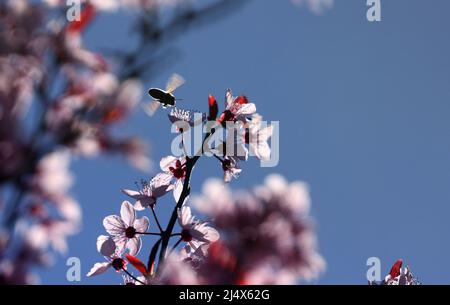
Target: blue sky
[363, 110]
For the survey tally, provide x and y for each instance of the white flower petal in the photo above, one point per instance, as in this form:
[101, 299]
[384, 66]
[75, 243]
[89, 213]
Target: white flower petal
[297, 197]
[228, 98]
[99, 268]
[276, 183]
[194, 245]
[106, 245]
[167, 162]
[121, 242]
[143, 203]
[212, 235]
[265, 133]
[106, 5]
[180, 215]
[161, 185]
[227, 176]
[141, 224]
[178, 189]
[70, 209]
[202, 232]
[263, 151]
[185, 216]
[134, 245]
[241, 152]
[127, 213]
[114, 225]
[131, 193]
[246, 109]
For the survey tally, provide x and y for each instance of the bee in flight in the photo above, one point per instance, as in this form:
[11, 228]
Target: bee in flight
[164, 97]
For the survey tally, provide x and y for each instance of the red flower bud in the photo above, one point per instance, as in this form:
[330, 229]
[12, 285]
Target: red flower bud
[213, 108]
[395, 270]
[242, 99]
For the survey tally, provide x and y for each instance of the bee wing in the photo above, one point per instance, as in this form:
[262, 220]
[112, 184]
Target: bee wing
[174, 82]
[151, 107]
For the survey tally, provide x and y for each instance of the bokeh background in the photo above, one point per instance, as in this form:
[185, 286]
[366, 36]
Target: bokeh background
[364, 120]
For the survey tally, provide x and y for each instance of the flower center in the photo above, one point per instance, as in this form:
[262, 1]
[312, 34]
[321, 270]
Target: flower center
[179, 171]
[130, 232]
[227, 115]
[186, 235]
[118, 264]
[226, 164]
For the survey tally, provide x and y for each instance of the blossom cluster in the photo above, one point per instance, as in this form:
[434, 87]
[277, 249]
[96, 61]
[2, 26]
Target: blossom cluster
[48, 73]
[399, 275]
[262, 236]
[268, 235]
[61, 100]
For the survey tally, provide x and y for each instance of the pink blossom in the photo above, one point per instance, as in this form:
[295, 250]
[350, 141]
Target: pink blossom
[53, 175]
[176, 167]
[257, 138]
[126, 228]
[237, 108]
[52, 233]
[399, 275]
[194, 231]
[189, 117]
[292, 197]
[176, 271]
[114, 5]
[113, 256]
[151, 191]
[274, 214]
[231, 169]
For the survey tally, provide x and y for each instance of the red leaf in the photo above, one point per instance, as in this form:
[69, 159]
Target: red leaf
[395, 270]
[242, 99]
[86, 16]
[137, 264]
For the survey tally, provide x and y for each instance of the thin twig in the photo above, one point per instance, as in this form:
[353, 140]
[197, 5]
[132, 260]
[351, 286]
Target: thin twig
[176, 245]
[190, 163]
[217, 157]
[149, 233]
[156, 219]
[152, 256]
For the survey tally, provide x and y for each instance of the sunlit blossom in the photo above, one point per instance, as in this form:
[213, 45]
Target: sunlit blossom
[237, 108]
[257, 137]
[194, 231]
[126, 228]
[151, 191]
[113, 257]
